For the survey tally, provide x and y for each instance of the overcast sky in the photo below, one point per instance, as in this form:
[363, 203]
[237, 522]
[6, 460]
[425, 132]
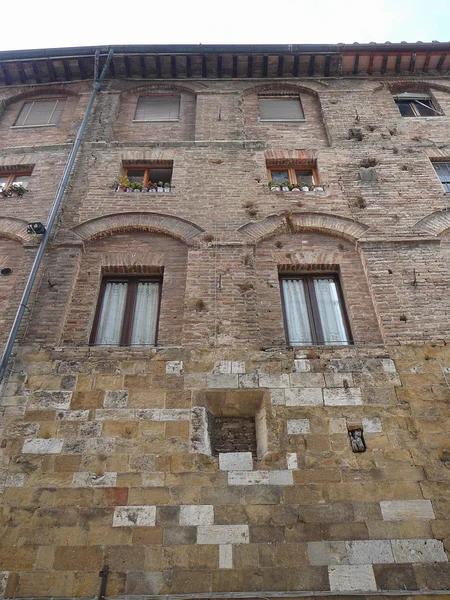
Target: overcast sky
[53, 24]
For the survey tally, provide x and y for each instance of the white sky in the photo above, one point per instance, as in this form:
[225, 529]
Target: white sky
[52, 24]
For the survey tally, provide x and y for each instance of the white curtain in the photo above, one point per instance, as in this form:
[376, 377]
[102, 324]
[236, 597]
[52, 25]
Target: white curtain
[111, 317]
[299, 330]
[145, 314]
[330, 311]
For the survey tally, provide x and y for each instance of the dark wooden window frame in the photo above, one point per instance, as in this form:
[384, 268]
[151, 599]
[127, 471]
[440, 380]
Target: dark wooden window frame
[13, 176]
[146, 179]
[312, 307]
[292, 172]
[417, 104]
[282, 97]
[444, 182]
[34, 101]
[130, 304]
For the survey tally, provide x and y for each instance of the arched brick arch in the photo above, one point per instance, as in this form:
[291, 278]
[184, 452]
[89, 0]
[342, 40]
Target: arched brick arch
[48, 92]
[295, 222]
[159, 87]
[113, 223]
[15, 229]
[279, 87]
[436, 223]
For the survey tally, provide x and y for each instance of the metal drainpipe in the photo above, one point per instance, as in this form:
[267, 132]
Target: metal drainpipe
[53, 212]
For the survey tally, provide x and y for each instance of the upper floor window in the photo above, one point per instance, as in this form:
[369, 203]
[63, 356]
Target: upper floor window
[40, 112]
[155, 178]
[127, 311]
[158, 108]
[416, 105]
[443, 172]
[280, 108]
[14, 183]
[314, 310]
[294, 177]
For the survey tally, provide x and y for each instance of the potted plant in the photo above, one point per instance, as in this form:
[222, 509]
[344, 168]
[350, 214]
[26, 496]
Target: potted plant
[16, 190]
[274, 186]
[167, 186]
[286, 186]
[318, 188]
[122, 183]
[295, 187]
[152, 187]
[136, 186]
[304, 186]
[160, 187]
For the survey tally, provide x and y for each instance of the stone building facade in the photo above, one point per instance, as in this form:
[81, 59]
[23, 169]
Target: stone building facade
[225, 457]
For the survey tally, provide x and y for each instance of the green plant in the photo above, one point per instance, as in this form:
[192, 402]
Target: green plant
[122, 182]
[274, 184]
[16, 188]
[136, 185]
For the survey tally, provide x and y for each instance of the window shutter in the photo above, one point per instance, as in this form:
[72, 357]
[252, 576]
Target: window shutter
[280, 109]
[158, 108]
[42, 112]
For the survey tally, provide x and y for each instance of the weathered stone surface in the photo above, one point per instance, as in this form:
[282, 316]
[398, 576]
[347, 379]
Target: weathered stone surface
[42, 446]
[174, 367]
[362, 552]
[342, 397]
[406, 510]
[225, 556]
[197, 514]
[223, 534]
[236, 461]
[372, 425]
[84, 479]
[418, 551]
[327, 553]
[298, 426]
[348, 578]
[248, 478]
[304, 397]
[45, 399]
[291, 460]
[116, 399]
[134, 516]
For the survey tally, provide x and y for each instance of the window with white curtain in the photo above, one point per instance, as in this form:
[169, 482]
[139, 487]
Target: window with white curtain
[127, 312]
[314, 310]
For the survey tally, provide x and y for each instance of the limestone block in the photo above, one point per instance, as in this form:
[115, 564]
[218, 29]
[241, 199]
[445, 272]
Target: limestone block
[418, 551]
[103, 445]
[304, 397]
[200, 440]
[298, 426]
[363, 552]
[72, 415]
[226, 556]
[342, 397]
[174, 367]
[301, 365]
[134, 516]
[148, 414]
[153, 479]
[407, 510]
[223, 534]
[222, 381]
[44, 399]
[388, 365]
[16, 430]
[42, 446]
[248, 478]
[277, 397]
[116, 399]
[84, 479]
[372, 425]
[338, 425]
[235, 461]
[91, 429]
[307, 380]
[274, 380]
[327, 553]
[349, 578]
[226, 367]
[175, 414]
[200, 514]
[338, 380]
[249, 380]
[280, 478]
[114, 414]
[291, 460]
[3, 582]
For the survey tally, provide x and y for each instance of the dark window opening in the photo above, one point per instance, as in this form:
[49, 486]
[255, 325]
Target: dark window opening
[443, 172]
[416, 105]
[233, 434]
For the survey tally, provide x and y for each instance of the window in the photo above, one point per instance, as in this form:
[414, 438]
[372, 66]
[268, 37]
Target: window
[149, 175]
[416, 105]
[127, 312]
[40, 112]
[443, 172]
[158, 108]
[314, 310]
[281, 108]
[13, 179]
[296, 175]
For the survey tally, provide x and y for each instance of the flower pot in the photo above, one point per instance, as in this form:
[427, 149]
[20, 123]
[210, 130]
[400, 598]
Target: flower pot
[285, 188]
[295, 189]
[152, 190]
[160, 189]
[318, 188]
[274, 188]
[167, 189]
[305, 188]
